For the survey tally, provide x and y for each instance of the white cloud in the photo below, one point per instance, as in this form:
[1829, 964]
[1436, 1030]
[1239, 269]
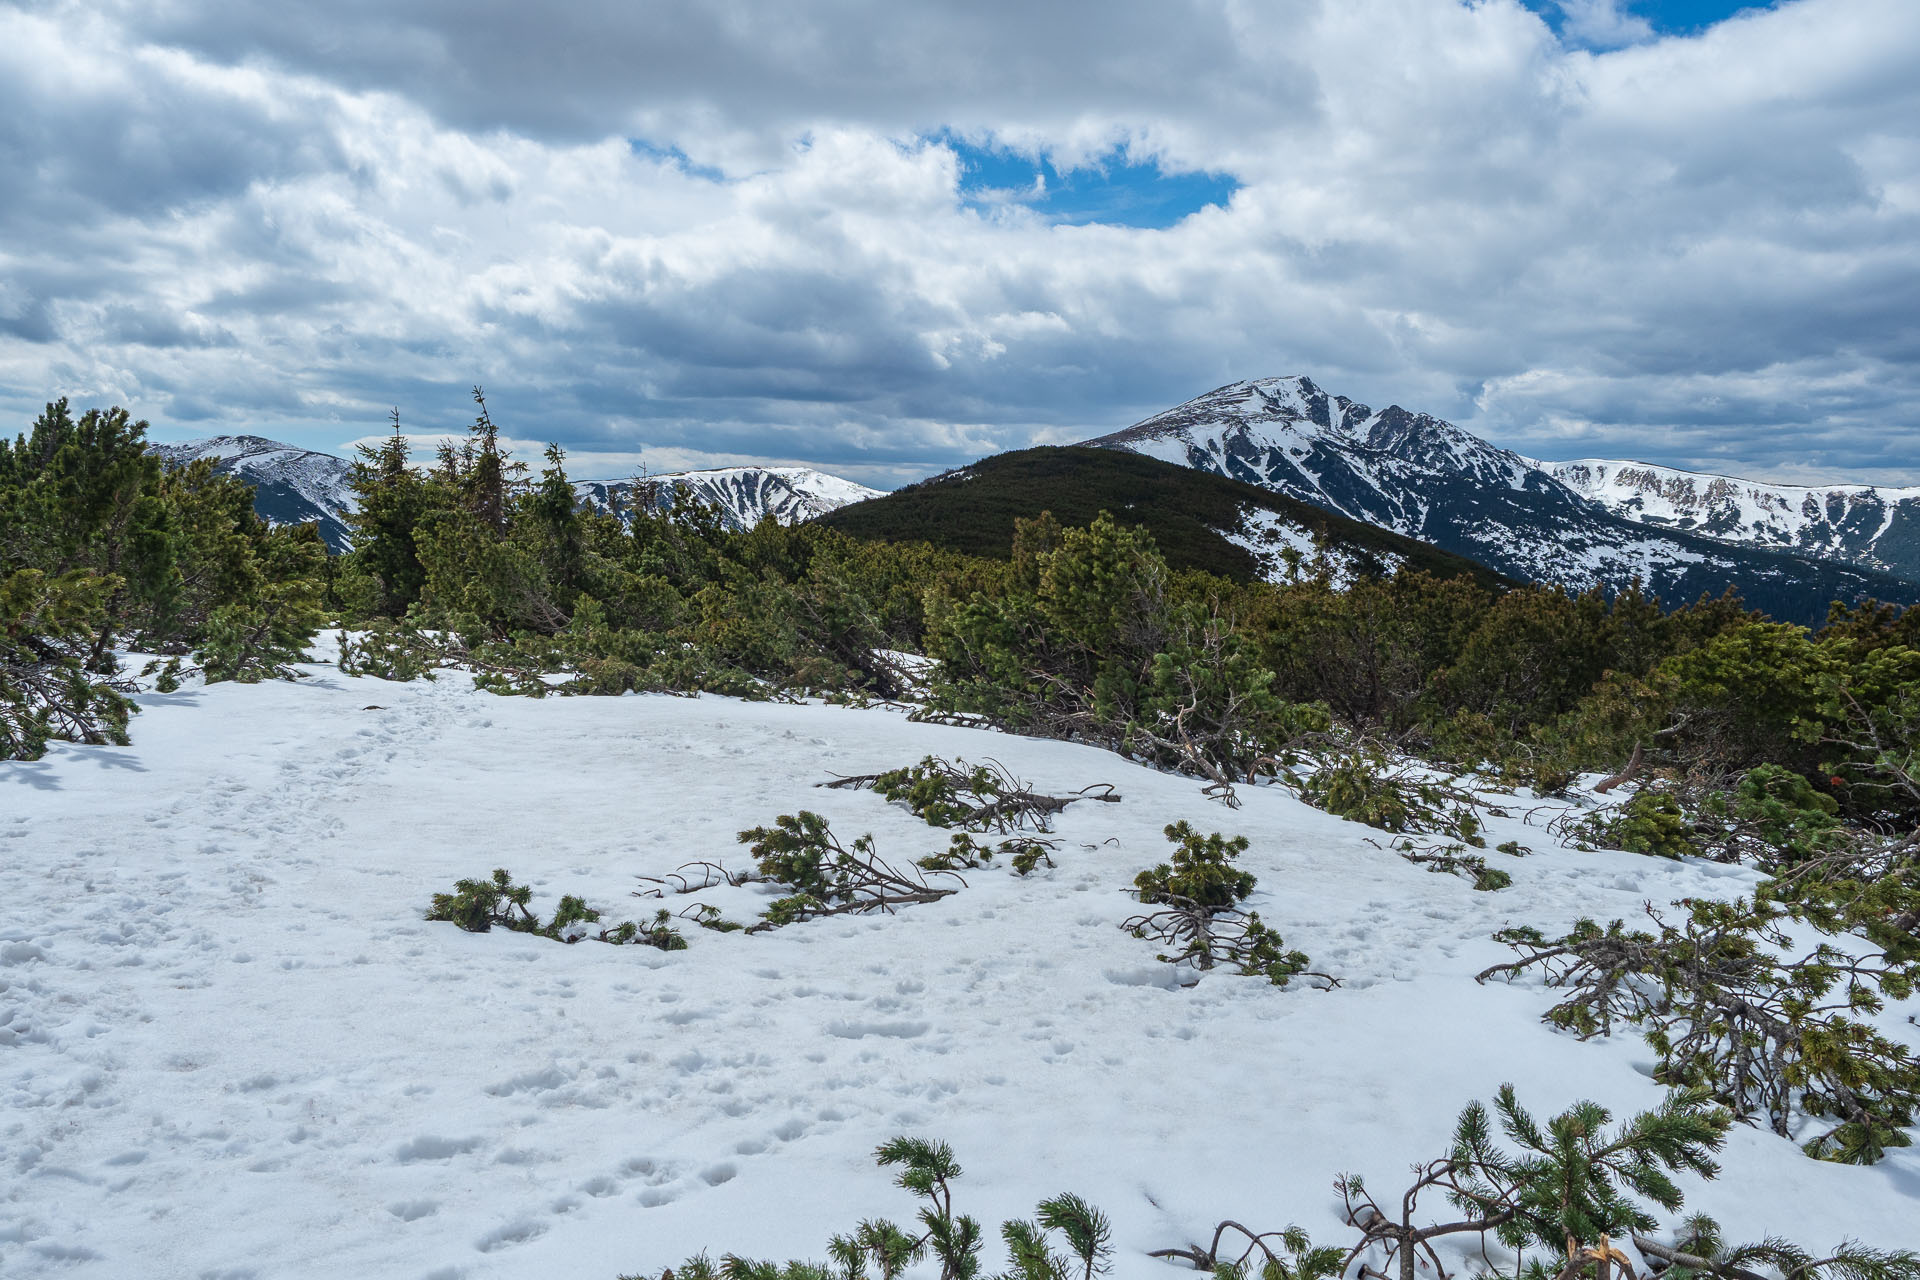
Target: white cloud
[1702, 250]
[1603, 24]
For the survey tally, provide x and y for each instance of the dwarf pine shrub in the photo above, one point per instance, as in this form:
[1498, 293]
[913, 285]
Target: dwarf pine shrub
[1361, 786]
[479, 905]
[1195, 907]
[1066, 1239]
[1778, 1038]
[801, 852]
[1652, 822]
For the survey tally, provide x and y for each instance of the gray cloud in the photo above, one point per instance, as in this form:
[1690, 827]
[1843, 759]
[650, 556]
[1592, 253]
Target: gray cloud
[1703, 251]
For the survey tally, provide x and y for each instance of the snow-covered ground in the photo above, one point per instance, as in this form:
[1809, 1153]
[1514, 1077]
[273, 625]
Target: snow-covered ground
[230, 1045]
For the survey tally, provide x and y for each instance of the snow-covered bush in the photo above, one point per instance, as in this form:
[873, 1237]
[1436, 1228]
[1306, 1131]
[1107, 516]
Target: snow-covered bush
[1651, 822]
[1362, 785]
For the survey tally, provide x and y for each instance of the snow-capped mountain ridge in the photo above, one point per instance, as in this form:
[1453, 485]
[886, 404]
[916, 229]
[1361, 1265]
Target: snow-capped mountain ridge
[291, 485]
[1873, 525]
[744, 495]
[1427, 478]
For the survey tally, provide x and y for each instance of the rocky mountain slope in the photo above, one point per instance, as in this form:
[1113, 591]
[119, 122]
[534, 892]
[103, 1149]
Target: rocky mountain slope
[1878, 528]
[1428, 479]
[291, 485]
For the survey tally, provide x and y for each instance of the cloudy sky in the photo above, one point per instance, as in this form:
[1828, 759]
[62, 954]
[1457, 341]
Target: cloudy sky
[887, 237]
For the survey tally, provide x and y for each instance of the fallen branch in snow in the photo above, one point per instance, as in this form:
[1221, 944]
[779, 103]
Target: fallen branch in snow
[801, 852]
[1636, 765]
[964, 853]
[1570, 1189]
[947, 793]
[712, 875]
[1301, 1261]
[478, 905]
[1452, 859]
[1700, 1251]
[1775, 1037]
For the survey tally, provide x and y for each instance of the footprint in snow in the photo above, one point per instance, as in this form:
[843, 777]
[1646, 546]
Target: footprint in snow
[429, 1147]
[519, 1231]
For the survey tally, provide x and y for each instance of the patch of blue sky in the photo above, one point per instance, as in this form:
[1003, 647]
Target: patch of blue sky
[1666, 17]
[1115, 189]
[674, 156]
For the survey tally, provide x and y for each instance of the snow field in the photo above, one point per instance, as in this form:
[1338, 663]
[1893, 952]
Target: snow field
[231, 1047]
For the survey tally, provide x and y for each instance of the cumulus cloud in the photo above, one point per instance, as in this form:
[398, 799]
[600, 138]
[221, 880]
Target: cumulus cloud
[1603, 24]
[711, 232]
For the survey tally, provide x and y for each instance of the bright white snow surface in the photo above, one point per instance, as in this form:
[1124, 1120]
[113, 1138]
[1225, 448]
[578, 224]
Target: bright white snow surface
[230, 1045]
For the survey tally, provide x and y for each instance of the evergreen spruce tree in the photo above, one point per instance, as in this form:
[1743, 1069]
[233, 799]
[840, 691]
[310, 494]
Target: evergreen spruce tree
[392, 499]
[563, 542]
[490, 475]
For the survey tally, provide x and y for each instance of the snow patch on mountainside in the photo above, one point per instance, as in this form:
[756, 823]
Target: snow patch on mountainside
[1269, 535]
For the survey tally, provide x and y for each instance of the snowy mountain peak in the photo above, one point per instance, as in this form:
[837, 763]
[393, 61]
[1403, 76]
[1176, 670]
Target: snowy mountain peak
[1575, 525]
[1295, 414]
[1292, 404]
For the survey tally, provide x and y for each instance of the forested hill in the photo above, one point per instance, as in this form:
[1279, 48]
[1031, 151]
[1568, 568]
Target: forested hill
[1199, 520]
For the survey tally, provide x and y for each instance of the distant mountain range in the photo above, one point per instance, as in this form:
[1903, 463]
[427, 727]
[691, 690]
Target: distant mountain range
[1423, 477]
[1433, 491]
[1865, 525]
[292, 485]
